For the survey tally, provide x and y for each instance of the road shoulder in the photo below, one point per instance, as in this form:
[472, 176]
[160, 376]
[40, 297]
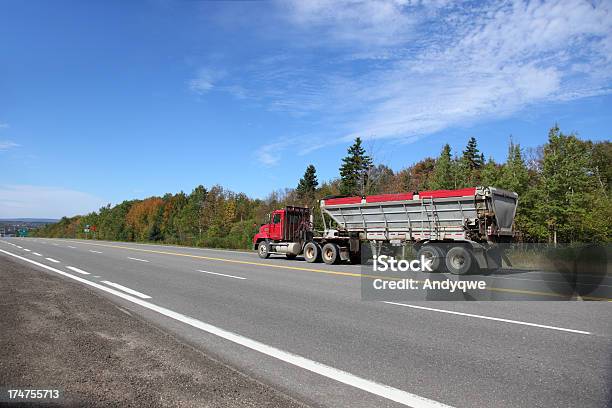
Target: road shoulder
[59, 334]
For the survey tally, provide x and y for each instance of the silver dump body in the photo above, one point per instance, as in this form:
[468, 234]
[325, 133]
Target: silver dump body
[477, 214]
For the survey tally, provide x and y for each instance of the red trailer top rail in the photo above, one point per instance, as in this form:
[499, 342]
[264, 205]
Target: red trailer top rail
[462, 192]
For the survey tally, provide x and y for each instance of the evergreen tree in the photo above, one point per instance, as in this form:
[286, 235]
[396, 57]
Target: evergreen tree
[355, 170]
[490, 174]
[471, 155]
[514, 175]
[443, 178]
[308, 184]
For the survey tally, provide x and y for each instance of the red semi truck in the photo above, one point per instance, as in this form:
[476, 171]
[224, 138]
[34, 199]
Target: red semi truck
[457, 229]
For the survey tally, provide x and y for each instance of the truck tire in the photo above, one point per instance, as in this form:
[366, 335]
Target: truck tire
[459, 260]
[263, 250]
[434, 253]
[312, 252]
[331, 253]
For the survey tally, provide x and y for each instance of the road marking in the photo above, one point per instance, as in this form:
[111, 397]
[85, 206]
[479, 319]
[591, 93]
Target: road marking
[71, 247]
[36, 253]
[56, 244]
[137, 259]
[490, 318]
[72, 268]
[328, 272]
[382, 390]
[221, 274]
[26, 249]
[95, 252]
[19, 247]
[127, 290]
[52, 260]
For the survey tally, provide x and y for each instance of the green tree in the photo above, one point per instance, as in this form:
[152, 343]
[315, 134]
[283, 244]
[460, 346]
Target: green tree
[514, 174]
[308, 184]
[565, 180]
[472, 156]
[355, 170]
[490, 174]
[443, 171]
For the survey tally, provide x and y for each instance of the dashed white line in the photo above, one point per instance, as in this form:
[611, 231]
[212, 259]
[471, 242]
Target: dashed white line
[137, 259]
[36, 253]
[95, 252]
[71, 247]
[543, 326]
[77, 270]
[221, 274]
[19, 247]
[26, 249]
[382, 390]
[52, 260]
[127, 290]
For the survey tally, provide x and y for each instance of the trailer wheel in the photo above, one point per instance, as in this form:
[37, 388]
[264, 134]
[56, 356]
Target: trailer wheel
[331, 253]
[458, 260]
[435, 254]
[263, 250]
[312, 252]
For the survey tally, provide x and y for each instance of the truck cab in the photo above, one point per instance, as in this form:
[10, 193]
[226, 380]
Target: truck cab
[284, 233]
[273, 229]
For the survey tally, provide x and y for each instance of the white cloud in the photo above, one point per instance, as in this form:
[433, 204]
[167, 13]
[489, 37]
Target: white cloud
[19, 201]
[204, 81]
[405, 69]
[506, 59]
[359, 22]
[7, 144]
[270, 154]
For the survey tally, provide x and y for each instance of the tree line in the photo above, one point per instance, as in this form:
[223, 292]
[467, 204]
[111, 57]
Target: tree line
[563, 187]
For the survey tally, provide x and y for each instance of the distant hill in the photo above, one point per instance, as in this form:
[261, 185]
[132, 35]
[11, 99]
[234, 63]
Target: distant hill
[30, 220]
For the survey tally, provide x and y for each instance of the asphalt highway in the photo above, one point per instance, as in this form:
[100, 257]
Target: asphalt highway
[305, 329]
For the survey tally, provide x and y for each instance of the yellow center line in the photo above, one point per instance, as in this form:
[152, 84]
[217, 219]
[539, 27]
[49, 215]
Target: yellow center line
[351, 274]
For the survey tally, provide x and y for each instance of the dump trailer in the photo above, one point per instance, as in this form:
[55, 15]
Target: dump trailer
[459, 230]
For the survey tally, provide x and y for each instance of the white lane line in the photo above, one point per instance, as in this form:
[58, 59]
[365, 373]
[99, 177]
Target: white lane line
[36, 253]
[26, 249]
[71, 247]
[127, 290]
[56, 244]
[77, 270]
[95, 252]
[137, 259]
[52, 260]
[497, 319]
[344, 377]
[221, 274]
[19, 247]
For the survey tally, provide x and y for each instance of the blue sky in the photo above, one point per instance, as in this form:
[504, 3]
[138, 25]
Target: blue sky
[105, 101]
